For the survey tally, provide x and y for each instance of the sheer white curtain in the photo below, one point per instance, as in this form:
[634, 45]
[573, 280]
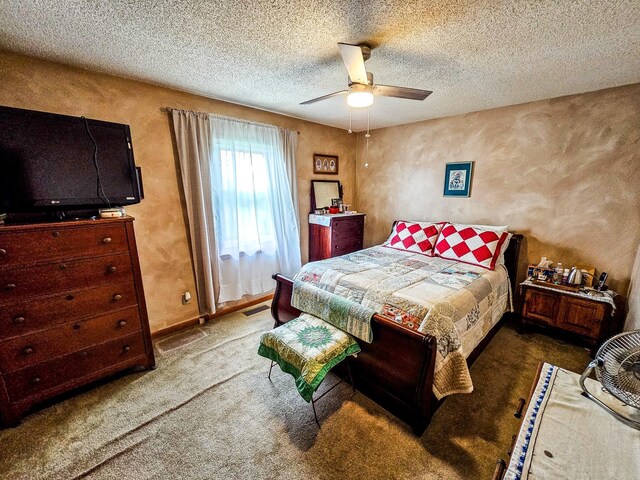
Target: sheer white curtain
[256, 223]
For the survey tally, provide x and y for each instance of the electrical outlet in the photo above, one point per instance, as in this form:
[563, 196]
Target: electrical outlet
[186, 298]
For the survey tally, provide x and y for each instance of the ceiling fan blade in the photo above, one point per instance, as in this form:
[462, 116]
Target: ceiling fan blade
[401, 92]
[324, 97]
[354, 61]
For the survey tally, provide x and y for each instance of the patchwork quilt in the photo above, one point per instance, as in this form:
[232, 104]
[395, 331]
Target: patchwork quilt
[455, 302]
[348, 316]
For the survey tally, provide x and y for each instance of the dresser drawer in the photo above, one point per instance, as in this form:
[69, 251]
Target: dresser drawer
[46, 345]
[23, 283]
[45, 245]
[71, 368]
[18, 319]
[344, 246]
[347, 227]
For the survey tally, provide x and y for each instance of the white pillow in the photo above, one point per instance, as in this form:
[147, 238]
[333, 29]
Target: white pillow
[495, 228]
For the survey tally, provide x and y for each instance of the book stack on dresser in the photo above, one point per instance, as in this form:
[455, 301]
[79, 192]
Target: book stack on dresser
[72, 309]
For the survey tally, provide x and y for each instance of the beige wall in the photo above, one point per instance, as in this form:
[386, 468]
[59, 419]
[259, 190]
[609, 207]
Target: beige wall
[564, 172]
[160, 223]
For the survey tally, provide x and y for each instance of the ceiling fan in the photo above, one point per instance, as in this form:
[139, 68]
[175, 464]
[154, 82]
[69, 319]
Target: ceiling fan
[361, 87]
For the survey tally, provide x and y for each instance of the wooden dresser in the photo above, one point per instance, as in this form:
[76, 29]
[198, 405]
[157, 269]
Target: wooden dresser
[334, 235]
[72, 309]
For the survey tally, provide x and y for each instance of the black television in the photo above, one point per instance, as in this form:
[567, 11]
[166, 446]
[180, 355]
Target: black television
[51, 162]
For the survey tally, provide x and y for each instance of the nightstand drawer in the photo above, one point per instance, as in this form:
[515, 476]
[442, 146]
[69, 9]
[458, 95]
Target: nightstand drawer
[541, 305]
[581, 316]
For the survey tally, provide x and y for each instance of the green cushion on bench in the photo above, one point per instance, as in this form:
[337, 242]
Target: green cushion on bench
[307, 348]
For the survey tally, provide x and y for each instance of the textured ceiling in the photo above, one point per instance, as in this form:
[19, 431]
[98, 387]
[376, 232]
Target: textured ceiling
[273, 55]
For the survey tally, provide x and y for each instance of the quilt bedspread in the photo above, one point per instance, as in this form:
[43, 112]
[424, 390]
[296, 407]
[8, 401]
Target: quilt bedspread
[455, 302]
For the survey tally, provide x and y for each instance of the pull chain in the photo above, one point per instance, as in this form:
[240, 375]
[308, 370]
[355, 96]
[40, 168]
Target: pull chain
[350, 130]
[368, 135]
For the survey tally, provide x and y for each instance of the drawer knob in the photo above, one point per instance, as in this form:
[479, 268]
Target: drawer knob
[36, 380]
[112, 269]
[84, 353]
[117, 297]
[3, 252]
[76, 326]
[55, 234]
[122, 323]
[63, 266]
[28, 350]
[126, 349]
[106, 240]
[10, 286]
[18, 320]
[70, 297]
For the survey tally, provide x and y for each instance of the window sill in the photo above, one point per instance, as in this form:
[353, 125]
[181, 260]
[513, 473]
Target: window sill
[226, 256]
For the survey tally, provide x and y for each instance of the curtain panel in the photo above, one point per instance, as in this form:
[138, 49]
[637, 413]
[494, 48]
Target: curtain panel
[239, 180]
[193, 140]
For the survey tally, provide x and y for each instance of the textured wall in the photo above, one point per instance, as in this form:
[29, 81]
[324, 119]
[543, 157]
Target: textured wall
[564, 172]
[633, 319]
[160, 222]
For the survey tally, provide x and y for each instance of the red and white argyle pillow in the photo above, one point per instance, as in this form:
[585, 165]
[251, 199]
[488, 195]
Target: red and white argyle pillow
[470, 245]
[418, 237]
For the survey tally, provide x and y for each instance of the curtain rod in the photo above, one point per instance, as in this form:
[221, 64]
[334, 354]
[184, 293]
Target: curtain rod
[240, 120]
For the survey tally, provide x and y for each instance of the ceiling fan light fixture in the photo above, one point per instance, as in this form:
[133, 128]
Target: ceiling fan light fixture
[360, 95]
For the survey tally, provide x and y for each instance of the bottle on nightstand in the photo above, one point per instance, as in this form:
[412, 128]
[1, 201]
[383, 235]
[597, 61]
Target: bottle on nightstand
[557, 277]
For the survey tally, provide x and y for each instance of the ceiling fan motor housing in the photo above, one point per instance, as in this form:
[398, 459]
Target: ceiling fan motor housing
[366, 51]
[369, 80]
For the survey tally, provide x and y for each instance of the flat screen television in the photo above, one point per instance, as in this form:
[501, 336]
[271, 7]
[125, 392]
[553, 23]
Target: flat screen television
[60, 162]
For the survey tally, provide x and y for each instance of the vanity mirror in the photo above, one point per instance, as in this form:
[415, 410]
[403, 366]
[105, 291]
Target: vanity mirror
[323, 191]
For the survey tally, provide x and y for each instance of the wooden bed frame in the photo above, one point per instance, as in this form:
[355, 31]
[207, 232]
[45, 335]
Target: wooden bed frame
[396, 370]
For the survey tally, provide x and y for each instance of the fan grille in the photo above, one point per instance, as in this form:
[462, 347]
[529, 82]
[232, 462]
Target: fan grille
[619, 367]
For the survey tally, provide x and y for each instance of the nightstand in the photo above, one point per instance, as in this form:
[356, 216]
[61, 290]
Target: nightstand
[591, 319]
[334, 235]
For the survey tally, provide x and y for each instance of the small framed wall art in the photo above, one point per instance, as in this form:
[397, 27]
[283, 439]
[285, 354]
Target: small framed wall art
[457, 179]
[325, 164]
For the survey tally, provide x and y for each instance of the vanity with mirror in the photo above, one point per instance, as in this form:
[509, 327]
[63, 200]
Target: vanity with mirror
[333, 229]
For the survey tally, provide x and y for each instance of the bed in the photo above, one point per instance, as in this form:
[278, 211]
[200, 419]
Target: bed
[416, 358]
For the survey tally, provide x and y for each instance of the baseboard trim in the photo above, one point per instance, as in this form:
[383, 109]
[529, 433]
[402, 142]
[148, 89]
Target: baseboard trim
[175, 327]
[240, 306]
[220, 313]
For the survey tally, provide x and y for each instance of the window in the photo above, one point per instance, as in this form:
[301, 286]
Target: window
[245, 214]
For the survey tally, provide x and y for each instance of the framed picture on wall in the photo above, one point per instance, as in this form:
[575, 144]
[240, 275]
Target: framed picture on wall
[457, 179]
[325, 164]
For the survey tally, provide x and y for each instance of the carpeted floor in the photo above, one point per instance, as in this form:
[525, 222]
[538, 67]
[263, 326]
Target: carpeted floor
[209, 411]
